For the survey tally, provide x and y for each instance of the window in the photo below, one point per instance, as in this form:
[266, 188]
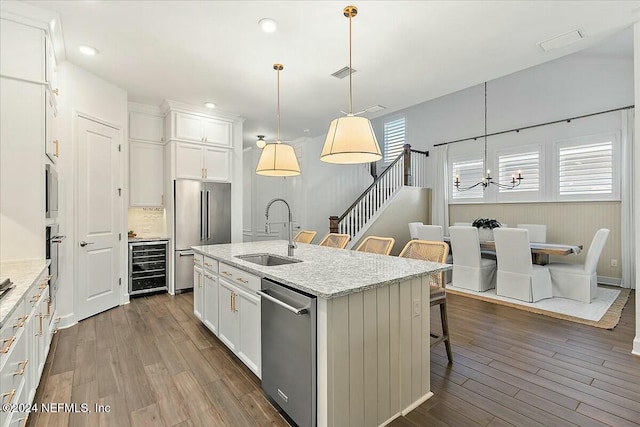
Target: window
[527, 164]
[394, 138]
[469, 172]
[585, 169]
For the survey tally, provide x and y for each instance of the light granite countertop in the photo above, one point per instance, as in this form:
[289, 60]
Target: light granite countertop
[325, 272]
[23, 274]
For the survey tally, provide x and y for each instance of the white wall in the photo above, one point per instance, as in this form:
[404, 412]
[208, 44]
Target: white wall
[636, 179]
[574, 85]
[83, 92]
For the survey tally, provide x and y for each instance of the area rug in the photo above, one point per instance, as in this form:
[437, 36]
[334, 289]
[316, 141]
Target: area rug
[604, 312]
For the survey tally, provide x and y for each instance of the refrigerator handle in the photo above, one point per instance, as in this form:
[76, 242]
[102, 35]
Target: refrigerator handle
[208, 213]
[202, 225]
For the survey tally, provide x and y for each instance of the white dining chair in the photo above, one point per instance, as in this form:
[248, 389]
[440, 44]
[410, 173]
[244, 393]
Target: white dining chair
[517, 276]
[435, 233]
[413, 229]
[463, 224]
[431, 233]
[537, 232]
[579, 281]
[470, 270]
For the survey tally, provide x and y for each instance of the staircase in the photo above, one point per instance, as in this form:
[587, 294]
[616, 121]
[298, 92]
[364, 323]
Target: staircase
[408, 169]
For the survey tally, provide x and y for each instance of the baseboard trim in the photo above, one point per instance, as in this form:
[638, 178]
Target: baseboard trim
[390, 419]
[417, 403]
[613, 281]
[66, 321]
[636, 346]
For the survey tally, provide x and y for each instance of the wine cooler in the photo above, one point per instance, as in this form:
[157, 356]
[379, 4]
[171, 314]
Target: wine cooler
[147, 267]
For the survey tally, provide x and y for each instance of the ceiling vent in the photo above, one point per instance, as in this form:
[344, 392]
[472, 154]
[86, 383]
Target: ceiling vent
[561, 41]
[343, 72]
[375, 108]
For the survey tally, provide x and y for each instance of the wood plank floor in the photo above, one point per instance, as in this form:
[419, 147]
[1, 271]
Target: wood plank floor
[154, 364]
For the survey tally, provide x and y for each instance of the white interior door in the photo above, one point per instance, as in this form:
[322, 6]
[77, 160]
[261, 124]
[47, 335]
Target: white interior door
[99, 209]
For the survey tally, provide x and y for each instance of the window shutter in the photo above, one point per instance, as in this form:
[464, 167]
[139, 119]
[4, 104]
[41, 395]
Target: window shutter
[469, 172]
[528, 164]
[394, 138]
[585, 169]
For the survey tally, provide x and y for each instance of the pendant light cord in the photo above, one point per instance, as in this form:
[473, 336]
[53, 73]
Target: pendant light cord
[350, 71]
[278, 107]
[485, 126]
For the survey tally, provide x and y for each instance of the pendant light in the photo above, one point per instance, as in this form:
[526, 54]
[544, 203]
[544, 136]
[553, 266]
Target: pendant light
[351, 138]
[278, 158]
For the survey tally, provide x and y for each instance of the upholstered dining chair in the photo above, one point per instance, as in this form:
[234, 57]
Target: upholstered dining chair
[432, 233]
[305, 236]
[335, 240]
[517, 277]
[413, 229]
[470, 270]
[435, 252]
[537, 232]
[377, 245]
[579, 281]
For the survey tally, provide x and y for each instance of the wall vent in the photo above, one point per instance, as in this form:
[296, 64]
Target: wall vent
[343, 72]
[561, 40]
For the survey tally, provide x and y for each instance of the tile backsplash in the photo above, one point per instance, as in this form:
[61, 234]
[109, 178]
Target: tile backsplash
[147, 222]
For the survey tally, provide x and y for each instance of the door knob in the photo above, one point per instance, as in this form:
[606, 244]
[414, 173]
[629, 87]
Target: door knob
[83, 243]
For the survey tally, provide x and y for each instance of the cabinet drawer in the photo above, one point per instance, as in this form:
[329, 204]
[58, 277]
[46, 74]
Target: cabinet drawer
[13, 371]
[198, 259]
[10, 335]
[239, 277]
[211, 264]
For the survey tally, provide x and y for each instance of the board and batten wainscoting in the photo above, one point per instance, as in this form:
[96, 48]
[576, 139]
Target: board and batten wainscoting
[567, 222]
[377, 357]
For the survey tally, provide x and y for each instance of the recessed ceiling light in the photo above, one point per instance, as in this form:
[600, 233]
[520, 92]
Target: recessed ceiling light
[210, 105]
[87, 50]
[268, 25]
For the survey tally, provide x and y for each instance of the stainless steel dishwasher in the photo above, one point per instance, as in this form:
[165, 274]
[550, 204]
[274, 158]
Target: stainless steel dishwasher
[289, 350]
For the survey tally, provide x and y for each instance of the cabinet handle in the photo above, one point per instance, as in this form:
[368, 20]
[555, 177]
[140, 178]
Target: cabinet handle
[226, 273]
[43, 286]
[40, 327]
[206, 172]
[11, 394]
[21, 367]
[202, 172]
[47, 279]
[241, 280]
[48, 308]
[21, 321]
[6, 344]
[57, 144]
[24, 420]
[231, 301]
[162, 199]
[208, 265]
[56, 91]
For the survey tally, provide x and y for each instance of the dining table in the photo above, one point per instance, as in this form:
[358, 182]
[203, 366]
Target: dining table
[539, 251]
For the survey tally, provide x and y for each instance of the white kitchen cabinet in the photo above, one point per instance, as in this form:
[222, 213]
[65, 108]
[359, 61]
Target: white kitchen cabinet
[145, 126]
[196, 128]
[22, 52]
[210, 310]
[51, 141]
[229, 327]
[196, 161]
[198, 291]
[239, 315]
[249, 345]
[146, 174]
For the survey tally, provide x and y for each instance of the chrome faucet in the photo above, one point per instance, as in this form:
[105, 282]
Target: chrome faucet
[292, 245]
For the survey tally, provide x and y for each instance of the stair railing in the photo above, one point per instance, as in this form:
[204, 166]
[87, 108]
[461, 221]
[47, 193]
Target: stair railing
[409, 169]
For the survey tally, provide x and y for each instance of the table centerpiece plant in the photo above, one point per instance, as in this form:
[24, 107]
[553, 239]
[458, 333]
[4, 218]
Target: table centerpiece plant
[485, 227]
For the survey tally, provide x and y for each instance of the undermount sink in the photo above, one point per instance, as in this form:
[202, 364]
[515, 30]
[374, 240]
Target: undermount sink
[267, 259]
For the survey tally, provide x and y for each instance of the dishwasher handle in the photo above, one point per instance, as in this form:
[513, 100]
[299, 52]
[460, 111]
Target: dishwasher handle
[294, 310]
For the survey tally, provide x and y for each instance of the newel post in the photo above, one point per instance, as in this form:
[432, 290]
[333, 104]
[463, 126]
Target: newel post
[407, 163]
[333, 224]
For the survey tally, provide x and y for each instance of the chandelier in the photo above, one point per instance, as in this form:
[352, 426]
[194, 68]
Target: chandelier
[488, 179]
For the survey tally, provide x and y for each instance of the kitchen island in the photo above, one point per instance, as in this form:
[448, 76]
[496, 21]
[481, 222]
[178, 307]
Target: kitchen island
[373, 327]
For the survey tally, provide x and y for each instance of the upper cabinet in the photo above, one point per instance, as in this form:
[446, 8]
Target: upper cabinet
[197, 128]
[22, 52]
[146, 156]
[146, 125]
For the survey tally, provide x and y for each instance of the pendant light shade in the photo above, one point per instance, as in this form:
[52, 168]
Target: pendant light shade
[277, 158]
[350, 139]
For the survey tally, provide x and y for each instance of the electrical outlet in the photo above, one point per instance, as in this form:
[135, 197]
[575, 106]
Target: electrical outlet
[614, 262]
[416, 307]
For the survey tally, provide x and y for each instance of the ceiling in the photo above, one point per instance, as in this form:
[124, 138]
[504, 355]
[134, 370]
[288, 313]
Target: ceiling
[405, 52]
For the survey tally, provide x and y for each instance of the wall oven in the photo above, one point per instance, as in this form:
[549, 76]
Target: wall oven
[51, 192]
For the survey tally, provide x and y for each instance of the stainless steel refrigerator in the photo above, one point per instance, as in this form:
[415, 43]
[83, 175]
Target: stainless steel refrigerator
[202, 217]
